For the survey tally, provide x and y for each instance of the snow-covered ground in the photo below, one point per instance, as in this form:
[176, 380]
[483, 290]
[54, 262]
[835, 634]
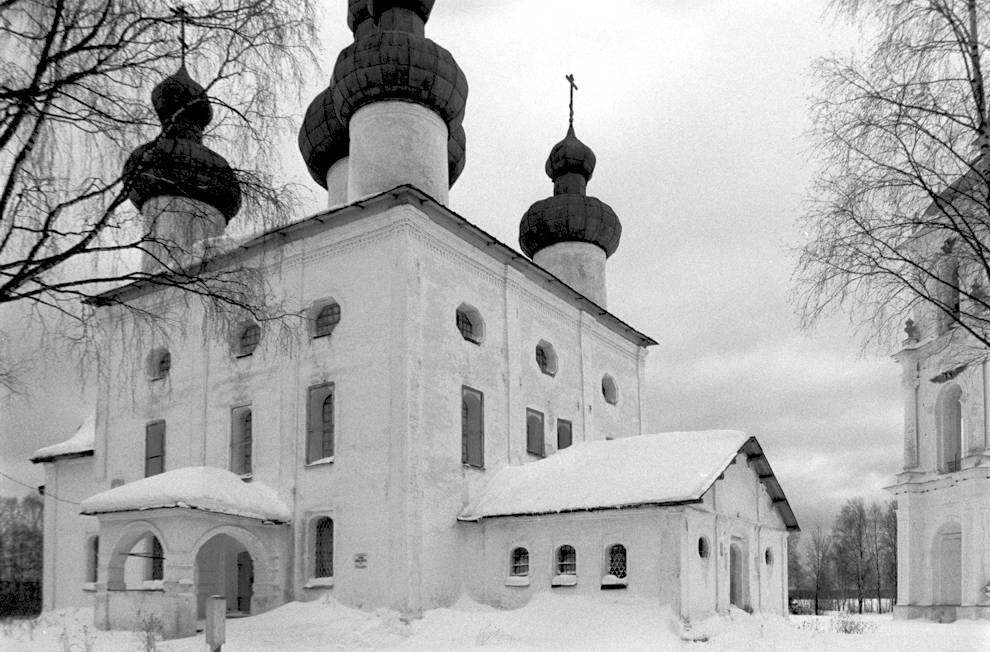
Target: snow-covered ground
[549, 622]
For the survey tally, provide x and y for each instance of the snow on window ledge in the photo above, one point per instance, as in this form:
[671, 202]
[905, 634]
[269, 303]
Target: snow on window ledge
[153, 585]
[517, 580]
[320, 462]
[564, 580]
[612, 580]
[89, 586]
[318, 582]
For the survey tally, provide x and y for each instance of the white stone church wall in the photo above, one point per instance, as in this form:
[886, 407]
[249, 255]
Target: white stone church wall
[67, 532]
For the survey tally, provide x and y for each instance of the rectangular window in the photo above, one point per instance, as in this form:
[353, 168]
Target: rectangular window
[320, 420]
[534, 433]
[241, 439]
[472, 427]
[154, 448]
[563, 434]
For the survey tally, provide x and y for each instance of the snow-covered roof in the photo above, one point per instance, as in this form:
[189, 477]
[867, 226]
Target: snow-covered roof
[661, 469]
[205, 488]
[81, 443]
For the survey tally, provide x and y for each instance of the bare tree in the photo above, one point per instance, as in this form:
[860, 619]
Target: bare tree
[852, 546]
[901, 205]
[75, 79]
[888, 547]
[818, 554]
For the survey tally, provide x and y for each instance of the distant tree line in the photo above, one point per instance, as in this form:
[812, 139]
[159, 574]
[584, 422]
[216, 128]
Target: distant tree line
[851, 564]
[21, 523]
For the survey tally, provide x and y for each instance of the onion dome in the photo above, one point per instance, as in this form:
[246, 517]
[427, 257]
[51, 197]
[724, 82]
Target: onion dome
[398, 63]
[569, 215]
[177, 163]
[456, 151]
[323, 138]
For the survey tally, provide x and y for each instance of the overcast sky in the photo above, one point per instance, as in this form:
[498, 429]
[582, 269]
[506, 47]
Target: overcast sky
[696, 111]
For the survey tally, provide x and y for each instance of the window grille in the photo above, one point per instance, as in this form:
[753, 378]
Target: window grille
[566, 561]
[157, 560]
[320, 423]
[249, 339]
[617, 561]
[472, 427]
[465, 326]
[519, 562]
[323, 548]
[564, 435]
[327, 319]
[534, 433]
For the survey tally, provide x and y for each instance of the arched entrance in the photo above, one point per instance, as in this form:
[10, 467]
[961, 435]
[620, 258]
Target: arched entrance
[224, 567]
[738, 575]
[947, 566]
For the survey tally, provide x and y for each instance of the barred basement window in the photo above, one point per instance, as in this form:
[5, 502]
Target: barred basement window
[519, 562]
[617, 561]
[566, 560]
[326, 320]
[323, 548]
[248, 340]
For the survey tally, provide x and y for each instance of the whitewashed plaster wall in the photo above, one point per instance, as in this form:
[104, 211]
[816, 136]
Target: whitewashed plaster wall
[650, 535]
[67, 533]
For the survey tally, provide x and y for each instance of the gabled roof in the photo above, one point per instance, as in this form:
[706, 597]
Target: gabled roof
[440, 214]
[669, 468]
[204, 488]
[79, 445]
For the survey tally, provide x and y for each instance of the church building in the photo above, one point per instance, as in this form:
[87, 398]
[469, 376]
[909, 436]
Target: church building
[452, 417]
[943, 491]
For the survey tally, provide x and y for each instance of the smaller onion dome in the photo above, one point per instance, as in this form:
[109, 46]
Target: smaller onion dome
[569, 215]
[570, 155]
[323, 138]
[177, 163]
[359, 19]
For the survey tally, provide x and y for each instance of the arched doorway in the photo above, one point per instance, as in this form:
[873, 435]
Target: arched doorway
[947, 567]
[738, 575]
[225, 567]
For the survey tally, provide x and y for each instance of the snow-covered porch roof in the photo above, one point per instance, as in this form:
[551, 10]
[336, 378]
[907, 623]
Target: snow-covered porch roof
[203, 488]
[79, 445]
[668, 468]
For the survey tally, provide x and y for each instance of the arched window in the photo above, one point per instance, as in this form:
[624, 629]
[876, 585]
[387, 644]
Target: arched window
[248, 339]
[566, 560]
[320, 433]
[326, 319]
[546, 358]
[610, 390]
[93, 559]
[323, 548]
[470, 324]
[241, 440]
[950, 428]
[519, 562]
[617, 561]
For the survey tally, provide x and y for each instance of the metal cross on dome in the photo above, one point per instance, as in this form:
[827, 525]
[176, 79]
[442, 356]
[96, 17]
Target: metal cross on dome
[570, 80]
[183, 16]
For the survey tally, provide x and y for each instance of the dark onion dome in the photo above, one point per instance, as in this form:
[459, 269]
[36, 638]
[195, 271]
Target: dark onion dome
[398, 64]
[569, 215]
[421, 8]
[323, 138]
[570, 155]
[177, 163]
[456, 150]
[358, 15]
